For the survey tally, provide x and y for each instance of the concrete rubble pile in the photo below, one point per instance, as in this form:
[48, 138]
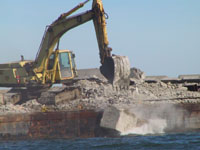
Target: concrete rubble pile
[97, 93]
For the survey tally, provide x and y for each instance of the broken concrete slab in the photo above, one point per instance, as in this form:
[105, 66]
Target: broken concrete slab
[7, 97]
[152, 118]
[59, 95]
[120, 119]
[189, 76]
[137, 74]
[89, 73]
[179, 79]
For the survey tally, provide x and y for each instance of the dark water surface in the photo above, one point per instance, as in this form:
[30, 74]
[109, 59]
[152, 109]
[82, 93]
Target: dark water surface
[184, 141]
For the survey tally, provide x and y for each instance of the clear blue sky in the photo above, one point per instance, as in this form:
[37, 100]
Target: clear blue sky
[161, 37]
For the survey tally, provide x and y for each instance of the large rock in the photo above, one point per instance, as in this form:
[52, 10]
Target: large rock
[120, 119]
[137, 74]
[59, 95]
[90, 73]
[9, 97]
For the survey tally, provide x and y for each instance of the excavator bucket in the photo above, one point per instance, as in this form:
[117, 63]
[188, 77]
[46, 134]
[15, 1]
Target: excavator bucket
[116, 70]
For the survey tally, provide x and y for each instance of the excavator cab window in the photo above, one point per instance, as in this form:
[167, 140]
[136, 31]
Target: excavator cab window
[51, 61]
[65, 65]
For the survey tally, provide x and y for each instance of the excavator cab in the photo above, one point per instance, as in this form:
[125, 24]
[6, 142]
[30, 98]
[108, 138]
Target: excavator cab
[65, 65]
[61, 66]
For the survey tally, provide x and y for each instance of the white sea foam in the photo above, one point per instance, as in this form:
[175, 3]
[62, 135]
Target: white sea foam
[147, 119]
[152, 126]
[141, 119]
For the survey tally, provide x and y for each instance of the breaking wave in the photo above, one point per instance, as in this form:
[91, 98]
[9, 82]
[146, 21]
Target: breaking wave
[152, 126]
[147, 119]
[142, 119]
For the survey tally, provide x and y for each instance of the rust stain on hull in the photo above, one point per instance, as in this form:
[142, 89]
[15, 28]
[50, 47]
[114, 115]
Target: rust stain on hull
[62, 124]
[73, 124]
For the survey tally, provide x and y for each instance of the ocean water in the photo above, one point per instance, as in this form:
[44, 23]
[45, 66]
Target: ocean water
[183, 141]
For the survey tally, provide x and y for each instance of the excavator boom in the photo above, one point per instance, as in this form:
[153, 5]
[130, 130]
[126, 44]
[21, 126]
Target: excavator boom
[115, 68]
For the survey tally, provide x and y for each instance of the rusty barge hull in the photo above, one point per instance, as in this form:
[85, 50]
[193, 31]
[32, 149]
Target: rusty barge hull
[50, 125]
[71, 124]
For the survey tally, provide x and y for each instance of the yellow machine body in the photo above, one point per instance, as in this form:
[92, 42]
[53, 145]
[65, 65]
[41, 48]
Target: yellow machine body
[60, 67]
[55, 66]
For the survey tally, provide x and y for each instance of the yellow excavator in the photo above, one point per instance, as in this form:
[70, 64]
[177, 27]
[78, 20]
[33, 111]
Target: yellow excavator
[56, 66]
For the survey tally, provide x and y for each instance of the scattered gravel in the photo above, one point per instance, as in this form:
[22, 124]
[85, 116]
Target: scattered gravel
[98, 94]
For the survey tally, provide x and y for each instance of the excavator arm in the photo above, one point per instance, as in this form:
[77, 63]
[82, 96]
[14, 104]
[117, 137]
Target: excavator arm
[115, 68]
[99, 21]
[52, 35]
